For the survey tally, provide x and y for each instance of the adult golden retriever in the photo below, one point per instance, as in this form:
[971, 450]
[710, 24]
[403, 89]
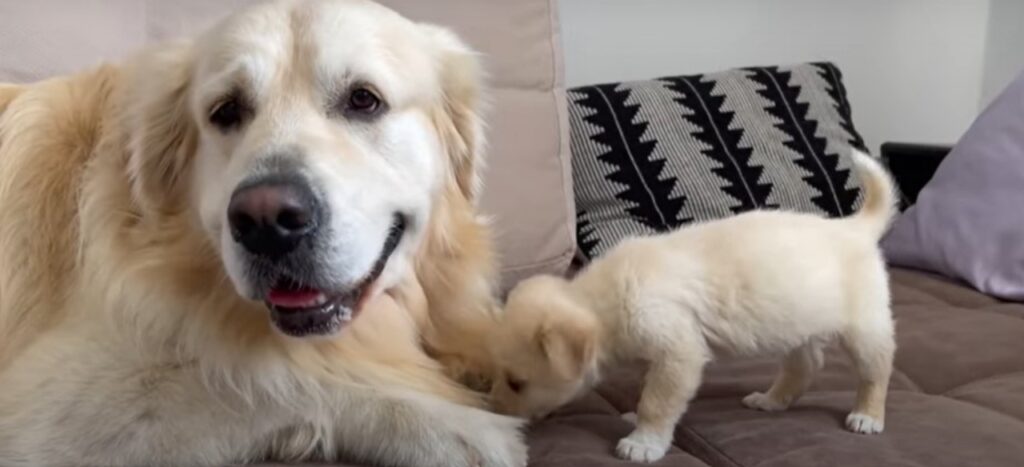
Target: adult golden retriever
[186, 242]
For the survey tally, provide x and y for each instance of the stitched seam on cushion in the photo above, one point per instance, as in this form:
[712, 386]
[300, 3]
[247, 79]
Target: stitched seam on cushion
[1015, 314]
[920, 290]
[914, 384]
[555, 44]
[557, 92]
[565, 164]
[931, 295]
[982, 380]
[560, 98]
[703, 449]
[564, 256]
[982, 407]
[951, 281]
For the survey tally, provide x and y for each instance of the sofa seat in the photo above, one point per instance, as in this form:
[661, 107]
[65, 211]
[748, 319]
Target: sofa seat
[956, 399]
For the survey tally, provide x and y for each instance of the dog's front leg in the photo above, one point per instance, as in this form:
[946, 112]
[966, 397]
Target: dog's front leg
[669, 385]
[417, 430]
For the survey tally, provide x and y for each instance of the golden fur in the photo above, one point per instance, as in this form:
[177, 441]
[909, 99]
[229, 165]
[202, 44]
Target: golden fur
[122, 341]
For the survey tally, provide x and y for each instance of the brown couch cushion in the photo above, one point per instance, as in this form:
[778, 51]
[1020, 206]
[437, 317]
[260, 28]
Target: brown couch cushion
[527, 189]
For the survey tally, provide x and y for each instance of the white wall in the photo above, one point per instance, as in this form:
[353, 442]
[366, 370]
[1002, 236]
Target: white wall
[913, 68]
[1004, 47]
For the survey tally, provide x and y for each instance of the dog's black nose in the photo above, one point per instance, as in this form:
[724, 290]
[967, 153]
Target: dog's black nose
[270, 218]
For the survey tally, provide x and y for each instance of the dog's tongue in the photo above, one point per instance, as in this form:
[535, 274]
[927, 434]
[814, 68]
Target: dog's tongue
[300, 298]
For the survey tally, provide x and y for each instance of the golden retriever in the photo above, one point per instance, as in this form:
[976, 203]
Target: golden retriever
[229, 248]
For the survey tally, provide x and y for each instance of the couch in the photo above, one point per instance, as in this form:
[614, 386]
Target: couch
[957, 395]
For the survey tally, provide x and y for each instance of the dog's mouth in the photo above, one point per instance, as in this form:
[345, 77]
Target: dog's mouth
[300, 311]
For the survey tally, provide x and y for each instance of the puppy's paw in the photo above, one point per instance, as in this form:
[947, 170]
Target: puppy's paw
[762, 401]
[629, 417]
[643, 447]
[863, 423]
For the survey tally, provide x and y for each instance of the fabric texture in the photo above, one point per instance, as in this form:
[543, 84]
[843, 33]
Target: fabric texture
[650, 156]
[519, 45]
[956, 399]
[967, 222]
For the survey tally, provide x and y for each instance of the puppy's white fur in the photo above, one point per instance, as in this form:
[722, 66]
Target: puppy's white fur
[758, 283]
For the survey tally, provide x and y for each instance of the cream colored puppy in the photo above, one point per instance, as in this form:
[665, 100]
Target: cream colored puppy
[758, 283]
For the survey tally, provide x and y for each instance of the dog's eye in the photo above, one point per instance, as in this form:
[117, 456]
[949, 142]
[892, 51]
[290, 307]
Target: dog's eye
[363, 101]
[228, 113]
[516, 385]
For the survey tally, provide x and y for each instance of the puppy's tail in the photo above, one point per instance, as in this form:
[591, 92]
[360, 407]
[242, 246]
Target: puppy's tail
[879, 195]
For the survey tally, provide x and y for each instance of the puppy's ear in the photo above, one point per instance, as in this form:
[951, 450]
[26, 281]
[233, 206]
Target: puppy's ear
[569, 346]
[162, 135]
[459, 120]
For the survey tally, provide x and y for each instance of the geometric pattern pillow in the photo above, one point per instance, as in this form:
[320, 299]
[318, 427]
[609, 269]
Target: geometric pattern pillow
[651, 156]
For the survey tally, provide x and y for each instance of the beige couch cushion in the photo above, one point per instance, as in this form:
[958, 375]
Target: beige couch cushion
[527, 188]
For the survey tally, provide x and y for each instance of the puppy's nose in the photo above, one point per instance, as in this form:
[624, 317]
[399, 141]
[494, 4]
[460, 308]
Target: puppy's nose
[271, 218]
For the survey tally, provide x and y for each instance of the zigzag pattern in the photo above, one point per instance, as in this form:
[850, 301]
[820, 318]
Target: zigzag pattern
[650, 156]
[648, 194]
[586, 234]
[825, 175]
[837, 91]
[741, 177]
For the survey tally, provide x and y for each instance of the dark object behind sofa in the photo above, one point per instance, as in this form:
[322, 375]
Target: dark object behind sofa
[912, 166]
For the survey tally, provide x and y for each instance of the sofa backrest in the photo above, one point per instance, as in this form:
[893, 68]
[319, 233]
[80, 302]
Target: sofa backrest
[527, 188]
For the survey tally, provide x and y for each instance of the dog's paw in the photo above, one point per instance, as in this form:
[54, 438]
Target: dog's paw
[500, 443]
[642, 447]
[629, 417]
[762, 401]
[863, 423]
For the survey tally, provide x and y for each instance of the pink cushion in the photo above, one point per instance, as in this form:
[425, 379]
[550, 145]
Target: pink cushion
[526, 186]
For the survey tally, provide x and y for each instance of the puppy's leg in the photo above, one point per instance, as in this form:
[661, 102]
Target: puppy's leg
[795, 376]
[668, 387]
[871, 345]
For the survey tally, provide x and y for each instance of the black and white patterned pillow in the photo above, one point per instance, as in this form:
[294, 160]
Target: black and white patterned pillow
[650, 156]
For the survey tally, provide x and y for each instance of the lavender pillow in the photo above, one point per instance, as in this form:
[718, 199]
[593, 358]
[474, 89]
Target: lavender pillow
[968, 221]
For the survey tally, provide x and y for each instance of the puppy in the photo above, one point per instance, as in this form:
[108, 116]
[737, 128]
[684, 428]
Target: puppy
[758, 283]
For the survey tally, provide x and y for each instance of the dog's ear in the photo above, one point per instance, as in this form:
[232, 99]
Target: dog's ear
[459, 119]
[161, 133]
[569, 345]
[7, 94]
